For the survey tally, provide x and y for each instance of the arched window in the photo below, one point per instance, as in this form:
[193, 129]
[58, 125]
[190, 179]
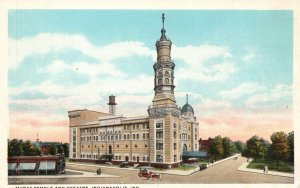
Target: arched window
[166, 81]
[159, 81]
[159, 74]
[167, 74]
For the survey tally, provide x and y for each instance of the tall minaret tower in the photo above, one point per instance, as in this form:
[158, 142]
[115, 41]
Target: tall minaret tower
[164, 113]
[164, 98]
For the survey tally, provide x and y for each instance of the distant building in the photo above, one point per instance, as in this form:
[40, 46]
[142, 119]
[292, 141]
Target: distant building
[44, 146]
[204, 144]
[159, 138]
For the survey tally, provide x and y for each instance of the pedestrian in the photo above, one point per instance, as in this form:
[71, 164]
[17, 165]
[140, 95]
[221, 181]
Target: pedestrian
[267, 169]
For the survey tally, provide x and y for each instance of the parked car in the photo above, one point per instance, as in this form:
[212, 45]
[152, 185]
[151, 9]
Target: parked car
[108, 163]
[202, 167]
[124, 165]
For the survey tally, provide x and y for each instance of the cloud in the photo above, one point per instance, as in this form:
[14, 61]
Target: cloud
[248, 57]
[276, 94]
[45, 43]
[89, 69]
[241, 90]
[204, 63]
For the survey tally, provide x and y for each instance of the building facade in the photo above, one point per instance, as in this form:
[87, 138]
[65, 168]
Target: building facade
[159, 138]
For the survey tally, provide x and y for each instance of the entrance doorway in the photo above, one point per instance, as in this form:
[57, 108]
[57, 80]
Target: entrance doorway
[126, 158]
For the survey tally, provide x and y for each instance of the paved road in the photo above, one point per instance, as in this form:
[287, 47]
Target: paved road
[225, 172]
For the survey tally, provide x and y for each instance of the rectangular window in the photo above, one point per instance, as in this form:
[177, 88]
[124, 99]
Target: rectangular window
[174, 125]
[175, 134]
[138, 136]
[159, 125]
[133, 136]
[147, 126]
[159, 135]
[147, 135]
[159, 158]
[175, 158]
[159, 146]
[144, 136]
[175, 146]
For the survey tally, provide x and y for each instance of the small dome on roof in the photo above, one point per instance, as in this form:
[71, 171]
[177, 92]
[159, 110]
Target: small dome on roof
[187, 107]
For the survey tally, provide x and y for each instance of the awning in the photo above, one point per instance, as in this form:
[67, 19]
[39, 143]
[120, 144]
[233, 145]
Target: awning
[12, 166]
[47, 165]
[26, 166]
[194, 154]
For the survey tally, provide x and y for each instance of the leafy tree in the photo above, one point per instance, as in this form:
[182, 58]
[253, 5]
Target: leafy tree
[266, 145]
[66, 149]
[291, 146]
[255, 147]
[52, 149]
[240, 146]
[227, 149]
[27, 148]
[35, 151]
[216, 147]
[15, 147]
[279, 146]
[59, 149]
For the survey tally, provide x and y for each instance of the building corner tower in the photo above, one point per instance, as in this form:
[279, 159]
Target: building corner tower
[164, 113]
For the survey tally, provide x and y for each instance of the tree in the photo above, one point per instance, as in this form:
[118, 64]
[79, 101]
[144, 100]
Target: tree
[66, 149]
[15, 147]
[240, 146]
[255, 147]
[52, 149]
[279, 146]
[216, 147]
[226, 143]
[27, 148]
[291, 146]
[59, 149]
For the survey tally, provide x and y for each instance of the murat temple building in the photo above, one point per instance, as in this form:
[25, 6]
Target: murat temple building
[159, 138]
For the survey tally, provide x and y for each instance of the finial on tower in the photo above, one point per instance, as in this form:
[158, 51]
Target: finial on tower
[187, 98]
[163, 20]
[163, 31]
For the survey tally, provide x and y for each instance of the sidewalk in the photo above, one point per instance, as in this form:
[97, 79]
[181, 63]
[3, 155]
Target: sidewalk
[220, 161]
[83, 174]
[244, 168]
[172, 172]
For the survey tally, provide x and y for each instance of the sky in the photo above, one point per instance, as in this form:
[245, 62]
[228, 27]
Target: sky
[236, 67]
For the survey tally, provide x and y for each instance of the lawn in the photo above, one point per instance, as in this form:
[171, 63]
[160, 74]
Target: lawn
[260, 163]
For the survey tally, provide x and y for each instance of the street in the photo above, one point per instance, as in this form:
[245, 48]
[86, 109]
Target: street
[225, 172]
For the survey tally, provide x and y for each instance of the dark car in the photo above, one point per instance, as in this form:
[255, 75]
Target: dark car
[202, 167]
[124, 165]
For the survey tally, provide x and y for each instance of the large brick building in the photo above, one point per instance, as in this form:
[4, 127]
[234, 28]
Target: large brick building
[159, 138]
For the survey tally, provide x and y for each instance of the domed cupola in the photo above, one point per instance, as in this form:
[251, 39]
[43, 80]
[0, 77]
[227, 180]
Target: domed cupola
[187, 109]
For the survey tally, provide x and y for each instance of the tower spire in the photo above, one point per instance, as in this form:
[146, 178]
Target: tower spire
[163, 31]
[187, 98]
[163, 20]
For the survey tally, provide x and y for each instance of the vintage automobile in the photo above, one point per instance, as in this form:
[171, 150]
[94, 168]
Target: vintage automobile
[202, 167]
[147, 173]
[124, 165]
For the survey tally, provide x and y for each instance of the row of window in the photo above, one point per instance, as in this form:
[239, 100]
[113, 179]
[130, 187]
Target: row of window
[136, 146]
[117, 157]
[115, 137]
[136, 127]
[184, 136]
